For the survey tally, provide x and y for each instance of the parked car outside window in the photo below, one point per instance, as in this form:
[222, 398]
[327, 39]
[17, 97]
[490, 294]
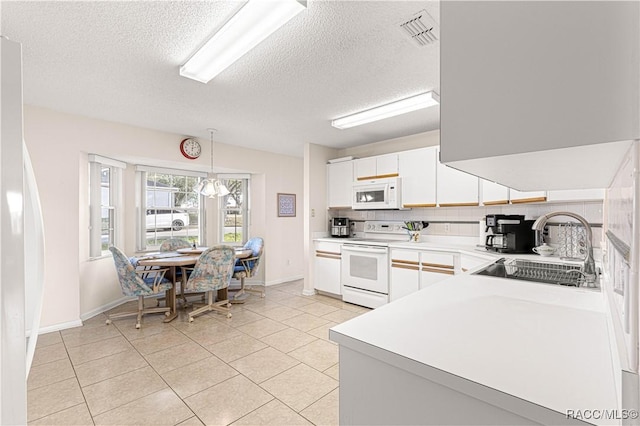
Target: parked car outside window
[167, 219]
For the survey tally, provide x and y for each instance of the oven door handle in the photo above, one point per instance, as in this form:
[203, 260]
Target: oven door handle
[360, 249]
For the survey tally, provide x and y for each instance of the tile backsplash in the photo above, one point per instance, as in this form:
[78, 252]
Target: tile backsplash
[464, 221]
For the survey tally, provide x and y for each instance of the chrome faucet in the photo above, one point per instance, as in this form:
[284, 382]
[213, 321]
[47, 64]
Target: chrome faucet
[589, 269]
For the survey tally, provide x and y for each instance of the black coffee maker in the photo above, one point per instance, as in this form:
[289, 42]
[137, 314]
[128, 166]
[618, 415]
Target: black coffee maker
[510, 234]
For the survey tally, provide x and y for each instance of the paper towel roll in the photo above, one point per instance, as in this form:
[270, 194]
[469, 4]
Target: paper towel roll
[482, 233]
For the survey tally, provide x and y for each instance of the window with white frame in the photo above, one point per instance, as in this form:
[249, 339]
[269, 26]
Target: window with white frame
[168, 206]
[105, 199]
[234, 209]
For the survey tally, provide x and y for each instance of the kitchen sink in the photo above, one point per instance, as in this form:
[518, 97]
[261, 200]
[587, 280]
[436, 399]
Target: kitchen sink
[529, 270]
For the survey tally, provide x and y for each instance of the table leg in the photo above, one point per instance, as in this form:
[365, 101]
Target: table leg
[223, 293]
[170, 296]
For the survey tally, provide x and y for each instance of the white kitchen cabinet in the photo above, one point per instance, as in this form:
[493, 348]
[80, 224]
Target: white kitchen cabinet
[526, 105]
[327, 267]
[339, 183]
[576, 195]
[405, 273]
[417, 168]
[456, 188]
[493, 193]
[520, 197]
[379, 166]
[435, 267]
[412, 270]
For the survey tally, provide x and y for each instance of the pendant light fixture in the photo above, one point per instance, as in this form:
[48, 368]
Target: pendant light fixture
[211, 187]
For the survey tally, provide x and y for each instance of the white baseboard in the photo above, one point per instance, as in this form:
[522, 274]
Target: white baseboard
[97, 311]
[57, 327]
[285, 280]
[83, 317]
[249, 281]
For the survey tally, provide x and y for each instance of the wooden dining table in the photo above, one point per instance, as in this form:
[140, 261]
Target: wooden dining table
[173, 260]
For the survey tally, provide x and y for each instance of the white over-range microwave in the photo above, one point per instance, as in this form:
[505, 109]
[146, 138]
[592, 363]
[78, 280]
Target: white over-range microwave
[377, 194]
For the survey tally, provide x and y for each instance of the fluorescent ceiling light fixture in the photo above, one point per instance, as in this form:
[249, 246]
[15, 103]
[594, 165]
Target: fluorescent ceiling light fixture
[253, 23]
[403, 106]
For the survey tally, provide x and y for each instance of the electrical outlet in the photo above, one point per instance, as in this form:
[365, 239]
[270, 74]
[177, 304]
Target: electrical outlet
[447, 228]
[313, 212]
[288, 262]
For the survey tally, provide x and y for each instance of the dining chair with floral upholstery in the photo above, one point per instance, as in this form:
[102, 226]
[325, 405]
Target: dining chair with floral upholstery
[173, 244]
[139, 283]
[212, 272]
[248, 266]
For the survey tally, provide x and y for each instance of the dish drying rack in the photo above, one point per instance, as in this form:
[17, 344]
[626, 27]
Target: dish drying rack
[570, 275]
[573, 241]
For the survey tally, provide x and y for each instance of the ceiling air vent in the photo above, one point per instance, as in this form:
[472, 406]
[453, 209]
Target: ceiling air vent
[422, 29]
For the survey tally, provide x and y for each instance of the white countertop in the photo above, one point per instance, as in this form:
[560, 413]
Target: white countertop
[543, 343]
[461, 247]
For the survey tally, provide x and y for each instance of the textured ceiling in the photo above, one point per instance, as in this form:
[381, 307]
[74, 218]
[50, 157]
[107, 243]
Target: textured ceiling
[119, 61]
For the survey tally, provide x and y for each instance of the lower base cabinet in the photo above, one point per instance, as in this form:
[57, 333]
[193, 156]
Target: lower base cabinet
[435, 267]
[327, 267]
[405, 273]
[412, 270]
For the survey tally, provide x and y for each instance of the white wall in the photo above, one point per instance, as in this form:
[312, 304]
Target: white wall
[419, 140]
[59, 144]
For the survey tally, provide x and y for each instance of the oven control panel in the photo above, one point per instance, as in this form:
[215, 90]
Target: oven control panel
[381, 227]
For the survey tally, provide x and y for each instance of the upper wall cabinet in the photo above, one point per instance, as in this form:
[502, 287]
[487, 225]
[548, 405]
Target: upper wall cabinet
[519, 197]
[339, 183]
[530, 100]
[493, 193]
[456, 188]
[380, 166]
[418, 172]
[576, 195]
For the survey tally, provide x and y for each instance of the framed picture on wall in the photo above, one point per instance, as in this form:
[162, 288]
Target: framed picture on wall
[286, 205]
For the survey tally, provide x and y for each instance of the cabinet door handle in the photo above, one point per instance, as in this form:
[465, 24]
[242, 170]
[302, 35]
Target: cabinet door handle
[327, 256]
[459, 204]
[438, 271]
[406, 262]
[401, 266]
[328, 252]
[529, 200]
[389, 175]
[437, 265]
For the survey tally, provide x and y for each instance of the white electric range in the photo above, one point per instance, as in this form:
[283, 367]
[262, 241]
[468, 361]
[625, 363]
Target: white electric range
[365, 263]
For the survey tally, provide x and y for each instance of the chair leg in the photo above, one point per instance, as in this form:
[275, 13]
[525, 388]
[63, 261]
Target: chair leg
[220, 306]
[261, 292]
[140, 309]
[139, 313]
[250, 289]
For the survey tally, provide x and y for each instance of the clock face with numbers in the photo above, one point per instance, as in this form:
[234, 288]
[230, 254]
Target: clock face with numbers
[190, 148]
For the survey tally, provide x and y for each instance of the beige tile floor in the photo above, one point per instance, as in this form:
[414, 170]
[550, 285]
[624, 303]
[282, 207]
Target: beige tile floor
[270, 364]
